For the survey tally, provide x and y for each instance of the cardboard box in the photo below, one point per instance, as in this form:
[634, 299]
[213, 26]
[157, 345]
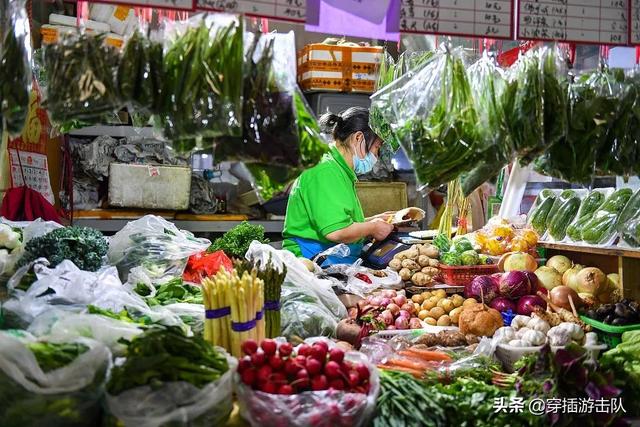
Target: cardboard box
[149, 187]
[338, 68]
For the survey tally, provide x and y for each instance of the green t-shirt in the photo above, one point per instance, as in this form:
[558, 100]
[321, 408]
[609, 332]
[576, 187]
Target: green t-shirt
[322, 200]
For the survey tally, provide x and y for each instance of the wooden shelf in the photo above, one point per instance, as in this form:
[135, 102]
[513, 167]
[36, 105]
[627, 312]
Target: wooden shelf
[607, 250]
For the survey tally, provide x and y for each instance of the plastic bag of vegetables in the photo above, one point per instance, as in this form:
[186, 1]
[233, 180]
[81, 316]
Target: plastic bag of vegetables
[154, 244]
[628, 224]
[202, 88]
[269, 131]
[325, 408]
[601, 227]
[534, 103]
[432, 114]
[488, 83]
[15, 65]
[81, 70]
[57, 383]
[167, 379]
[68, 288]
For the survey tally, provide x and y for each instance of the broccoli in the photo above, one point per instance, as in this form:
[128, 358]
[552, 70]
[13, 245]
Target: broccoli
[85, 247]
[451, 258]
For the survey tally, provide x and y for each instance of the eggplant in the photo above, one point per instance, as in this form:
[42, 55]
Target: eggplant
[592, 314]
[609, 319]
[621, 310]
[619, 321]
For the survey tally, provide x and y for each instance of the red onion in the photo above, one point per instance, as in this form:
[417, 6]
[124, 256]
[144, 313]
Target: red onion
[503, 304]
[533, 281]
[405, 314]
[402, 323]
[495, 277]
[400, 300]
[375, 300]
[527, 303]
[385, 302]
[489, 289]
[414, 323]
[393, 308]
[515, 284]
[386, 317]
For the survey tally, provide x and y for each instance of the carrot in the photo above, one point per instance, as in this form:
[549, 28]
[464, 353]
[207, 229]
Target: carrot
[403, 362]
[416, 374]
[429, 355]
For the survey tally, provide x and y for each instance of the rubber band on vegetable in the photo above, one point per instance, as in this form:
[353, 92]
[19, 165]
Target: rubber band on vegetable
[218, 313]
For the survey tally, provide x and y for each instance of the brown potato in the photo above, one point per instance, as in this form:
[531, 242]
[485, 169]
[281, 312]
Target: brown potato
[410, 264]
[455, 314]
[417, 298]
[436, 312]
[405, 274]
[431, 321]
[423, 260]
[444, 320]
[395, 264]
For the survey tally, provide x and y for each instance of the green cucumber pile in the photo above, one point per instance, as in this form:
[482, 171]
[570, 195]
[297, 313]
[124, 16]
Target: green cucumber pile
[594, 219]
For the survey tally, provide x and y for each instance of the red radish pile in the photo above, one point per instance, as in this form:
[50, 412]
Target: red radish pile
[278, 369]
[391, 310]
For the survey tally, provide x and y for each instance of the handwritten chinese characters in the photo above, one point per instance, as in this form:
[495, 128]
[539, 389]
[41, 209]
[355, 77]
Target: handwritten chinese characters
[290, 10]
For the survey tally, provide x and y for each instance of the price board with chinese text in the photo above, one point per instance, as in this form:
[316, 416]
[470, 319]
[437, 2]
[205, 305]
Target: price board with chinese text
[286, 10]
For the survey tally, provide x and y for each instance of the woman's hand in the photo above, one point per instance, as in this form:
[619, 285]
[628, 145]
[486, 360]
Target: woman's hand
[384, 216]
[380, 229]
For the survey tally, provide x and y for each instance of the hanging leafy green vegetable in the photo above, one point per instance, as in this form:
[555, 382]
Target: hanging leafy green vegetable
[81, 78]
[139, 76]
[15, 67]
[202, 87]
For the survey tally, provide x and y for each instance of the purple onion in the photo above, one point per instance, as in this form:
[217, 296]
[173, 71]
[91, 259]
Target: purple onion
[503, 304]
[527, 303]
[484, 283]
[514, 284]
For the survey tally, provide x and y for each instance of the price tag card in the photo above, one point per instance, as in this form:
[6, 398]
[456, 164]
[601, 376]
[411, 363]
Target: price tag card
[472, 18]
[286, 10]
[634, 27]
[161, 4]
[579, 21]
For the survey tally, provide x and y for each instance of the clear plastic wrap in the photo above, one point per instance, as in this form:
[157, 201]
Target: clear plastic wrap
[139, 76]
[68, 288]
[66, 397]
[17, 236]
[588, 206]
[628, 225]
[534, 103]
[269, 131]
[176, 403]
[488, 83]
[202, 88]
[330, 408]
[15, 65]
[81, 70]
[600, 229]
[432, 114]
[154, 244]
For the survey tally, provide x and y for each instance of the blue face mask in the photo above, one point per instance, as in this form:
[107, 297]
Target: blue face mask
[364, 166]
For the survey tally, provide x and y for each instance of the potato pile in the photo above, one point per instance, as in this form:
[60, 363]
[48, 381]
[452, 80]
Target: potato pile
[418, 264]
[438, 309]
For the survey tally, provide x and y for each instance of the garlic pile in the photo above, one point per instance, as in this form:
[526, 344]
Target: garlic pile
[528, 331]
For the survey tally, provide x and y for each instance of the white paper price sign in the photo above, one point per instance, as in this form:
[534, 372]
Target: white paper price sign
[471, 18]
[580, 21]
[161, 4]
[286, 10]
[634, 26]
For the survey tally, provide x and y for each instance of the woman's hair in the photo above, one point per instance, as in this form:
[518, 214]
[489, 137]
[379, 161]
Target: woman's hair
[342, 126]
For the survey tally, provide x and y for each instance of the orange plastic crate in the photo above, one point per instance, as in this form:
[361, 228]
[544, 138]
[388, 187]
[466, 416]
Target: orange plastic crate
[461, 275]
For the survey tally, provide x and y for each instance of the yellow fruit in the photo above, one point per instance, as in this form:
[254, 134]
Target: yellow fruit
[417, 299]
[434, 300]
[431, 321]
[448, 305]
[436, 312]
[444, 321]
[518, 244]
[455, 314]
[423, 314]
[530, 236]
[426, 295]
[440, 293]
[457, 297]
[416, 306]
[496, 246]
[428, 305]
[504, 231]
[469, 301]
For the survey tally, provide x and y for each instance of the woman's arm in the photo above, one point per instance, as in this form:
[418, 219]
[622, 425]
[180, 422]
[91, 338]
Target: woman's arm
[384, 216]
[379, 230]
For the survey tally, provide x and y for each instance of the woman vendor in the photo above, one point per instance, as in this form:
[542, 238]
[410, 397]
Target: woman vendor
[323, 208]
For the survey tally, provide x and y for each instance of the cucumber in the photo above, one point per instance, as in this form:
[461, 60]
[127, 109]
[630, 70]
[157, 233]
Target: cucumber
[575, 228]
[560, 200]
[563, 217]
[591, 203]
[630, 210]
[538, 216]
[617, 201]
[602, 225]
